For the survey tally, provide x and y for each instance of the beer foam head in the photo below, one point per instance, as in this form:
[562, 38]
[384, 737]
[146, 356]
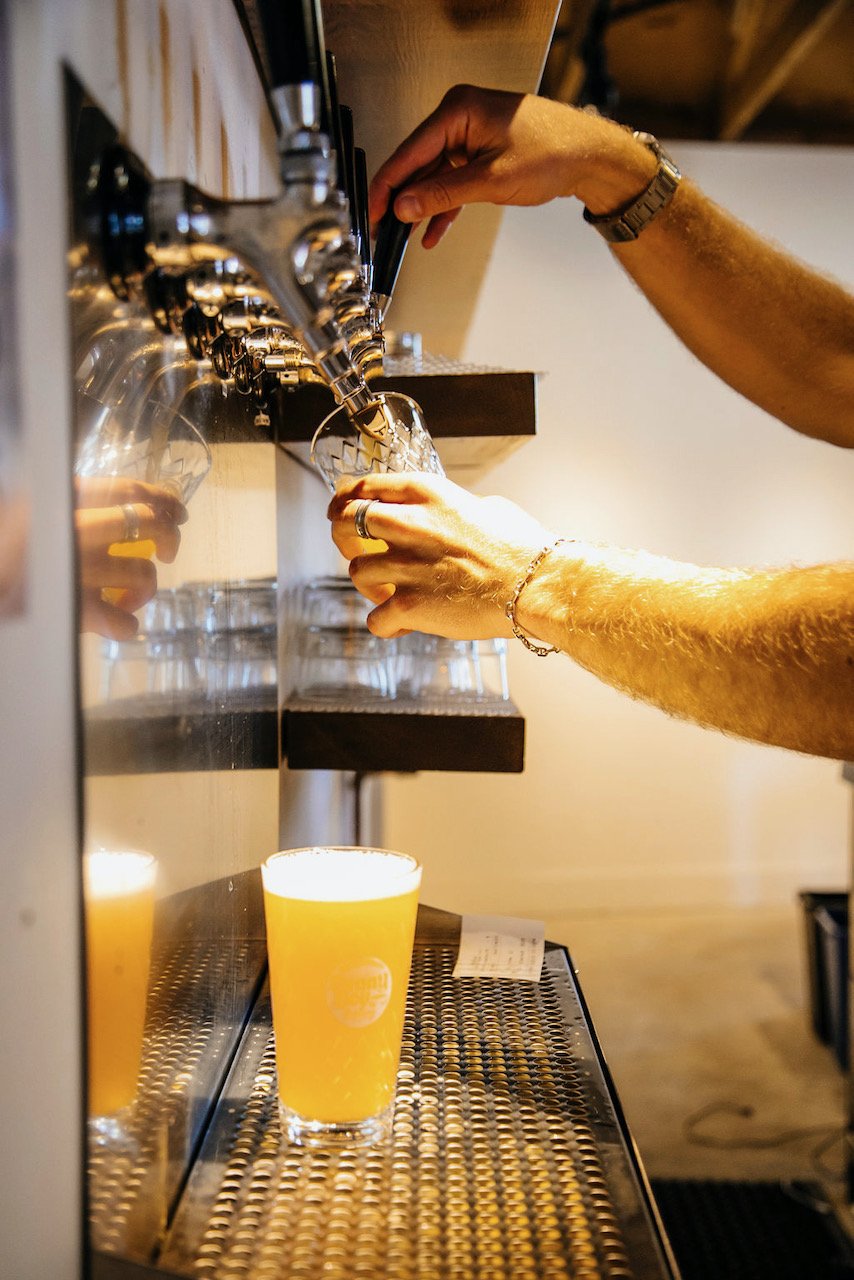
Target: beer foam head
[323, 874]
[112, 873]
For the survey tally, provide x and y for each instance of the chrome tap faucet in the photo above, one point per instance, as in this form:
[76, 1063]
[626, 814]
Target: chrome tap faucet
[280, 289]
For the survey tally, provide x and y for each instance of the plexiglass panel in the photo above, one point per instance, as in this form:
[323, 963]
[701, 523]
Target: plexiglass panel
[176, 566]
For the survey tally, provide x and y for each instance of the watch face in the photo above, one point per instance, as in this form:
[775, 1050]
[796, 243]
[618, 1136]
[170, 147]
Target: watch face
[648, 140]
[669, 168]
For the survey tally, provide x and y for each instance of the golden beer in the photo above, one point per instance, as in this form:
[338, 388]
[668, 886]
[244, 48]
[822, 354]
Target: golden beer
[119, 924]
[142, 549]
[340, 928]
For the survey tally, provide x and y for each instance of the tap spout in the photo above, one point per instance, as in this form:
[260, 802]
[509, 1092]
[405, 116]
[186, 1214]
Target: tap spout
[299, 251]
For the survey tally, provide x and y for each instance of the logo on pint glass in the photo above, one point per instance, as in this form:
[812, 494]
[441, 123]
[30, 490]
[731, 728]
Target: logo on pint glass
[359, 993]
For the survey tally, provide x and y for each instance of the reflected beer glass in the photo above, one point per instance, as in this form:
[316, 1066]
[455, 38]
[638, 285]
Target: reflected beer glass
[164, 448]
[119, 897]
[340, 929]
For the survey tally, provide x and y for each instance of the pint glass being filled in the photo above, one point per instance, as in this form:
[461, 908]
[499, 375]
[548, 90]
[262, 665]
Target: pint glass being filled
[340, 929]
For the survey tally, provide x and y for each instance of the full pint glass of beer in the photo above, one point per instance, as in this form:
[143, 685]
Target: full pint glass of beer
[119, 913]
[340, 930]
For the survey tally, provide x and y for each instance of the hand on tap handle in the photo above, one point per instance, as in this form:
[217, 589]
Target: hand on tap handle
[742, 306]
[489, 146]
[476, 146]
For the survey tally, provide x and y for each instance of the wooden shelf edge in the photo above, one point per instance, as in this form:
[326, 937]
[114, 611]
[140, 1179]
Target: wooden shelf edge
[476, 738]
[403, 741]
[476, 407]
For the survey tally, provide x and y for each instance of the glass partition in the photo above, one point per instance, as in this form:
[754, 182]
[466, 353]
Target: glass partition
[176, 565]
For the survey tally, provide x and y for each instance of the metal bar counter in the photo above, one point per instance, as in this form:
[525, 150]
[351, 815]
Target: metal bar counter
[508, 1160]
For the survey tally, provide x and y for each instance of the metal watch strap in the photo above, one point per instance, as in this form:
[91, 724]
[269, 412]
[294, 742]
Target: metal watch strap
[629, 222]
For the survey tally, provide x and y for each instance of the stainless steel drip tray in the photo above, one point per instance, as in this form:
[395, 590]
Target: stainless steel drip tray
[508, 1159]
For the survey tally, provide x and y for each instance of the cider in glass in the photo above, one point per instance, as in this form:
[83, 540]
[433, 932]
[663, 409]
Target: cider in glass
[119, 915]
[340, 930]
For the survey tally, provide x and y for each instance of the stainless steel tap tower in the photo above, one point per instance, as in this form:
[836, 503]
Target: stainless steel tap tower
[271, 292]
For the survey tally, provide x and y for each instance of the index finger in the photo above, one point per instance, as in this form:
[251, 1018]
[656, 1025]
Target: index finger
[110, 491]
[393, 522]
[385, 486]
[416, 156]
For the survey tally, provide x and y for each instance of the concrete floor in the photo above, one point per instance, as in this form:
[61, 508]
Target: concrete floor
[710, 1010]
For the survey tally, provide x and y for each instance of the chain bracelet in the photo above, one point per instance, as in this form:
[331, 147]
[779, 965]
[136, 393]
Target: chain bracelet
[542, 651]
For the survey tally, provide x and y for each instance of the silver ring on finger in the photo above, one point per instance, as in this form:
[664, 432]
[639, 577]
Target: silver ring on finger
[131, 519]
[360, 518]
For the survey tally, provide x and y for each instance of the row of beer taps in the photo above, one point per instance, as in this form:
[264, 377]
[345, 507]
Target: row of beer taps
[270, 292]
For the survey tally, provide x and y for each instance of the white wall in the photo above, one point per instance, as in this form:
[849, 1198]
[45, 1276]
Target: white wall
[621, 807]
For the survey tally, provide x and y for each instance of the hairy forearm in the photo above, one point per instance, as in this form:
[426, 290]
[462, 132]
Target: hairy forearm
[776, 331]
[768, 656]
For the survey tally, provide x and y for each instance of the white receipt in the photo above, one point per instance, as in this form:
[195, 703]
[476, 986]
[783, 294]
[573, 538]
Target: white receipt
[501, 947]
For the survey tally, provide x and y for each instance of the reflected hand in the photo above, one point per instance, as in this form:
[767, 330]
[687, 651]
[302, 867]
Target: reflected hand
[113, 586]
[488, 146]
[453, 558]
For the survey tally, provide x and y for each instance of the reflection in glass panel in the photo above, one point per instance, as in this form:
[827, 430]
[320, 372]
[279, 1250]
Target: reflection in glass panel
[177, 617]
[14, 505]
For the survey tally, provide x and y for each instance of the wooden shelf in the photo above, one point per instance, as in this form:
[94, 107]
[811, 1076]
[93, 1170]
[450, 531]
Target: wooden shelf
[405, 738]
[155, 735]
[476, 417]
[158, 735]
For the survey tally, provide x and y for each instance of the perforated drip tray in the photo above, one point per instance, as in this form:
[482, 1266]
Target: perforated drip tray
[507, 1161]
[136, 1171]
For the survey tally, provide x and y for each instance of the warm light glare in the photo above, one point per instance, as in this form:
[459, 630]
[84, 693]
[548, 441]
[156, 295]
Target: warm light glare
[340, 875]
[113, 874]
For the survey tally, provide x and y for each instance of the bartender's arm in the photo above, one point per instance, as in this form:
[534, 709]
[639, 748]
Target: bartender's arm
[767, 655]
[775, 330]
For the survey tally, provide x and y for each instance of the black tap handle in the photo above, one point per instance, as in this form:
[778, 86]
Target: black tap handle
[348, 151]
[321, 64]
[392, 238]
[360, 162]
[118, 217]
[290, 35]
[334, 132]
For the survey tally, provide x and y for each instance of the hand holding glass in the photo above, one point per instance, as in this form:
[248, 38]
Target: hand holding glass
[162, 448]
[389, 435]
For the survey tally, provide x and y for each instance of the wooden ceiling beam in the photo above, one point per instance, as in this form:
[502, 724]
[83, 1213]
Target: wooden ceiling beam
[744, 24]
[564, 71]
[773, 61]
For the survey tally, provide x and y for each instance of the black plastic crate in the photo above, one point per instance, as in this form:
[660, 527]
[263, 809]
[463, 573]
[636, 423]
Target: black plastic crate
[753, 1230]
[826, 938]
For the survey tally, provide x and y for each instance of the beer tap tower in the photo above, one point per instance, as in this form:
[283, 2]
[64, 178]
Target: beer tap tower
[271, 292]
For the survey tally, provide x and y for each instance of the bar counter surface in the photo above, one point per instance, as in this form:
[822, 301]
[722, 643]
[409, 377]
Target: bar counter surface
[509, 1155]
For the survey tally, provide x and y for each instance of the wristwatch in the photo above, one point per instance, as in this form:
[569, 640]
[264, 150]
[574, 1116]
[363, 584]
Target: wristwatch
[627, 223]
